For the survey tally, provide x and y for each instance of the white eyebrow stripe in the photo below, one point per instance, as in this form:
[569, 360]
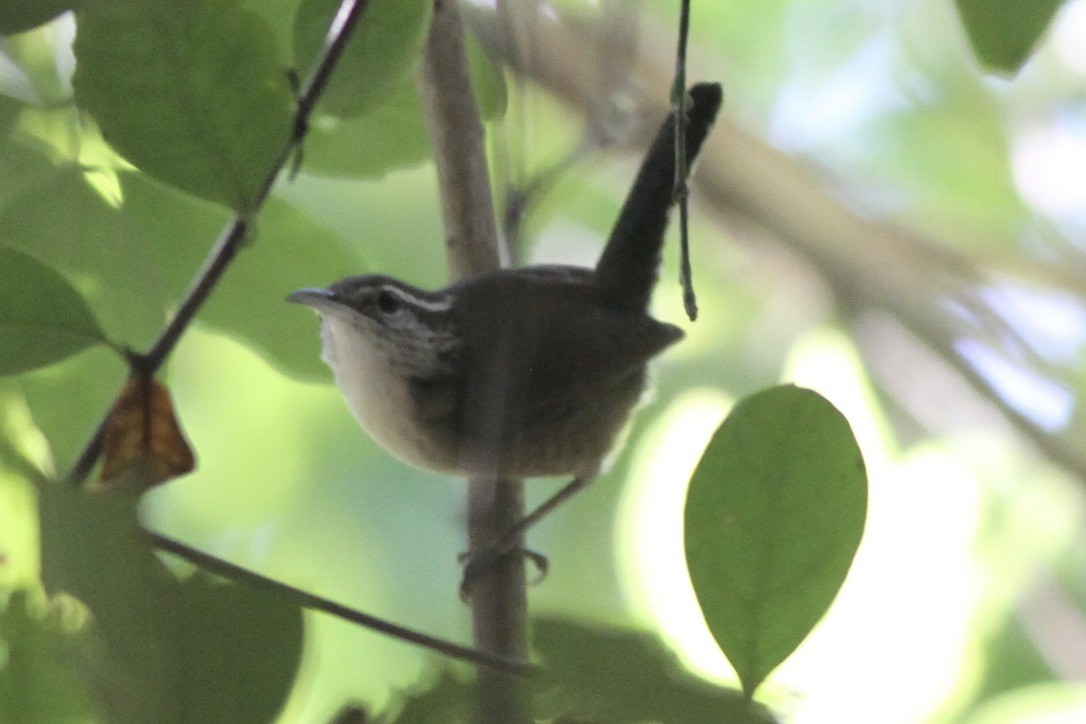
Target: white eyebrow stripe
[438, 306]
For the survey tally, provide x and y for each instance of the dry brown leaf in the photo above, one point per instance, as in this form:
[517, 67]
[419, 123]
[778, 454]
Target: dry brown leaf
[143, 444]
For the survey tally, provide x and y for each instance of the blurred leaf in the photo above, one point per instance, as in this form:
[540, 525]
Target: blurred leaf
[1050, 702]
[943, 154]
[42, 318]
[40, 673]
[17, 16]
[68, 400]
[213, 123]
[290, 250]
[352, 714]
[389, 136]
[92, 548]
[487, 80]
[20, 168]
[143, 443]
[69, 226]
[616, 675]
[385, 45]
[9, 113]
[392, 135]
[240, 651]
[1004, 32]
[773, 518]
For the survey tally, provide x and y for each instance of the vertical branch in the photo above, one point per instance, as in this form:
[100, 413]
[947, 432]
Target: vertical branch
[456, 137]
[499, 597]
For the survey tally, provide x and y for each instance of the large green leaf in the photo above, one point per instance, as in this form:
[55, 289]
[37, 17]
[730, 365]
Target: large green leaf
[384, 47]
[91, 547]
[43, 319]
[1004, 32]
[773, 518]
[240, 651]
[188, 90]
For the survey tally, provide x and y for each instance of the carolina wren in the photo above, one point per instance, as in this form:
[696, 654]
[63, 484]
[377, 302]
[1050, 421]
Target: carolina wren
[516, 372]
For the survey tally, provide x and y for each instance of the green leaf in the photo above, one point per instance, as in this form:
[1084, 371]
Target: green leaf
[613, 674]
[240, 651]
[9, 114]
[190, 91]
[487, 81]
[385, 45]
[43, 319]
[773, 518]
[391, 135]
[17, 16]
[1004, 32]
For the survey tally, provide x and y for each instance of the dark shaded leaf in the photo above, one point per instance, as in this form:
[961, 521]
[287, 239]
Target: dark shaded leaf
[189, 91]
[9, 114]
[1003, 33]
[17, 16]
[240, 651]
[439, 698]
[773, 518]
[91, 547]
[43, 319]
[621, 675]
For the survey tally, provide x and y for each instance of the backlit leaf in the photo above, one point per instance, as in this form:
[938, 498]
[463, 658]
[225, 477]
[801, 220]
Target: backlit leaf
[773, 518]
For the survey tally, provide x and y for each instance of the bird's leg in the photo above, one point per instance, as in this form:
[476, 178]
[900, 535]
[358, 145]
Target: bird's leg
[479, 560]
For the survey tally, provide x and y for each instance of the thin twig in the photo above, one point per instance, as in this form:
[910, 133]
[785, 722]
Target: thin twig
[236, 231]
[499, 597]
[682, 192]
[308, 600]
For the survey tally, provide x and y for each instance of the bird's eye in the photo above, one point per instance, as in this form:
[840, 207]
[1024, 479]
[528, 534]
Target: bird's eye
[387, 302]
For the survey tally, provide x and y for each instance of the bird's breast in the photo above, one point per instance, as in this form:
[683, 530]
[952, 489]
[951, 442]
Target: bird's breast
[379, 397]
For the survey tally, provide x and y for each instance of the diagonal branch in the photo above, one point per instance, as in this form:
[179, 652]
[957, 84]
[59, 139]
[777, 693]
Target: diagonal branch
[237, 229]
[317, 603]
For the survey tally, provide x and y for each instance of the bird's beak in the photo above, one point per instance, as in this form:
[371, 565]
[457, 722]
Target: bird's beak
[319, 299]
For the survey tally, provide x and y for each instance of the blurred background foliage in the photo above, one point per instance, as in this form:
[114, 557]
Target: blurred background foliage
[877, 217]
